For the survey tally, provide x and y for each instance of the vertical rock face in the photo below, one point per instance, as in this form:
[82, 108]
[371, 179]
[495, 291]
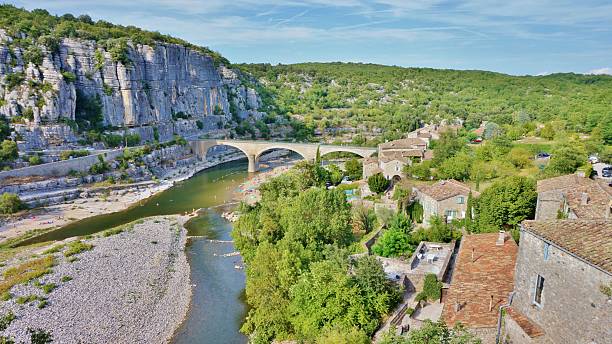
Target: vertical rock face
[160, 81]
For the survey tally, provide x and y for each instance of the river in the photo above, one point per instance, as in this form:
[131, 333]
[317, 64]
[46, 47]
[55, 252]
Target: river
[217, 305]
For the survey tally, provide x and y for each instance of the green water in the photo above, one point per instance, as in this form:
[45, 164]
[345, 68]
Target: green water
[206, 189]
[217, 305]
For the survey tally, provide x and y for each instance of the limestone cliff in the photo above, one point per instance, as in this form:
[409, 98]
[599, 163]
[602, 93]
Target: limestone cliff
[157, 82]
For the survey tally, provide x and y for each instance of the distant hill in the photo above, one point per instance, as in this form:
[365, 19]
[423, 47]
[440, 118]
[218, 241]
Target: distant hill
[395, 98]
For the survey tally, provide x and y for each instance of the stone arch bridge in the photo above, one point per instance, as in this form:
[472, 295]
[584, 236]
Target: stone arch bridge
[254, 149]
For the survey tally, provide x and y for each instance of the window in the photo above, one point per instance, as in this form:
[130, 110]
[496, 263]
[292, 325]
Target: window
[546, 249]
[537, 297]
[460, 200]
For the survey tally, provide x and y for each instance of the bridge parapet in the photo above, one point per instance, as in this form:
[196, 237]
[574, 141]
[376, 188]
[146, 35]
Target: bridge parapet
[254, 149]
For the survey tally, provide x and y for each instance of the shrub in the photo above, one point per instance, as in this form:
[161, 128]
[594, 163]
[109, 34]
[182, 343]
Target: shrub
[10, 203]
[26, 272]
[132, 139]
[34, 55]
[393, 243]
[35, 160]
[6, 296]
[67, 154]
[8, 151]
[100, 167]
[107, 90]
[6, 320]
[77, 247]
[432, 288]
[112, 140]
[69, 77]
[13, 80]
[28, 114]
[66, 279]
[200, 124]
[47, 288]
[378, 183]
[40, 336]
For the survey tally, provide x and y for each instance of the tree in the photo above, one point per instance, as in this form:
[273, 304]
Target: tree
[548, 131]
[506, 203]
[378, 183]
[519, 157]
[456, 167]
[354, 169]
[566, 158]
[317, 217]
[420, 171]
[363, 218]
[491, 130]
[395, 241]
[432, 289]
[8, 151]
[447, 146]
[335, 174]
[10, 203]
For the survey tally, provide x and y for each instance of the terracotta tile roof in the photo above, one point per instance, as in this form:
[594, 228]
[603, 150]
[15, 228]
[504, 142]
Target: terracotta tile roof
[589, 239]
[408, 143]
[562, 182]
[489, 274]
[367, 161]
[530, 328]
[445, 189]
[401, 155]
[589, 201]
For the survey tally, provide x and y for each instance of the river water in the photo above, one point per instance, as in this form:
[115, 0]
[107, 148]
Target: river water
[217, 308]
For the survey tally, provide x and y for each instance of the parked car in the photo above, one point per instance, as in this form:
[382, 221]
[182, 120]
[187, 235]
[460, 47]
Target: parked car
[477, 140]
[593, 159]
[606, 172]
[542, 155]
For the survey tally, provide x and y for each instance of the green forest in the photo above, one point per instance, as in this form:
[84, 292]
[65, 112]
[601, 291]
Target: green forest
[397, 99]
[42, 28]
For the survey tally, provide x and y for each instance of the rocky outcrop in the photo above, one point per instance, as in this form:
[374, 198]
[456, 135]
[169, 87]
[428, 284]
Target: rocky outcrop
[159, 81]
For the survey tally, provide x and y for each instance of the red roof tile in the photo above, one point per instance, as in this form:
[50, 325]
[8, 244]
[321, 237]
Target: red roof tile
[589, 239]
[530, 328]
[485, 280]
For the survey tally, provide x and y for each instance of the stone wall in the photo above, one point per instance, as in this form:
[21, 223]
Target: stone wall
[61, 168]
[573, 308]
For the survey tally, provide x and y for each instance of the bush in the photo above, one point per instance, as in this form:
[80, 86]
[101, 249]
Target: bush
[35, 160]
[69, 77]
[100, 167]
[132, 139]
[393, 243]
[76, 247]
[378, 183]
[10, 203]
[432, 288]
[13, 80]
[112, 140]
[65, 155]
[40, 336]
[6, 320]
[200, 124]
[354, 169]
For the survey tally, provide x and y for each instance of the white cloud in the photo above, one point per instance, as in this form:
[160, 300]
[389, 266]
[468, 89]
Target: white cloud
[599, 71]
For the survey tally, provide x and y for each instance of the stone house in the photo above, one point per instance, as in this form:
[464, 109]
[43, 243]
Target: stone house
[573, 196]
[482, 281]
[393, 156]
[447, 198]
[562, 283]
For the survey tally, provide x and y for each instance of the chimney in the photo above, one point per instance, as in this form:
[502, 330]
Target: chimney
[584, 199]
[472, 254]
[491, 303]
[501, 238]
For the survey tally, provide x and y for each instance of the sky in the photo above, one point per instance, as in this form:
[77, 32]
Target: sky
[509, 36]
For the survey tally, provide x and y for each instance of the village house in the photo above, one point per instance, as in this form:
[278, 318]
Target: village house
[573, 196]
[482, 281]
[447, 198]
[563, 281]
[393, 156]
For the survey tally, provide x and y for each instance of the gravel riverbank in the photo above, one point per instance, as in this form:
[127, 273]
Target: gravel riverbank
[131, 287]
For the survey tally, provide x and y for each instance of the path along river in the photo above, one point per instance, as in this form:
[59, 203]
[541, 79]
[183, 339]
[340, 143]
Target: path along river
[217, 308]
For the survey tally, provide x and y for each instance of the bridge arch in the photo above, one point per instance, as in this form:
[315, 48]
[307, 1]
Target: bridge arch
[269, 148]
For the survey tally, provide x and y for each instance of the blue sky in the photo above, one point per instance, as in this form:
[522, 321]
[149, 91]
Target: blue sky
[510, 36]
